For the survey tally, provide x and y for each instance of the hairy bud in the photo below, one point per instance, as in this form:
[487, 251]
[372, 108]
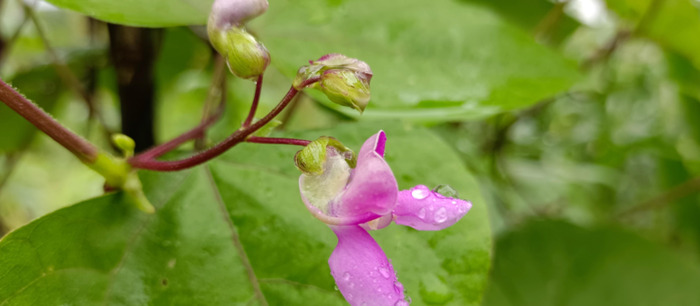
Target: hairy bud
[344, 80]
[246, 57]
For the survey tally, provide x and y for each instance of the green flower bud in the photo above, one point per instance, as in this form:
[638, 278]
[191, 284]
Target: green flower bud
[345, 88]
[344, 80]
[245, 56]
[124, 143]
[312, 158]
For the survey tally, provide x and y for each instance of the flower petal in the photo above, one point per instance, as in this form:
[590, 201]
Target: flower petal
[426, 210]
[361, 270]
[372, 187]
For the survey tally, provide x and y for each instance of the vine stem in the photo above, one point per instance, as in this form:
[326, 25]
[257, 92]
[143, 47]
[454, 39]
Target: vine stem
[256, 99]
[272, 140]
[235, 138]
[208, 117]
[80, 147]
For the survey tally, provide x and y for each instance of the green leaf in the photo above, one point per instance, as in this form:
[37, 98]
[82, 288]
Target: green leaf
[445, 60]
[674, 24]
[190, 252]
[556, 263]
[152, 13]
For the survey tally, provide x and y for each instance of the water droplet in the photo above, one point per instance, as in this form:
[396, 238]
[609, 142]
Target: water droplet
[391, 297]
[379, 289]
[461, 209]
[384, 272]
[401, 303]
[446, 191]
[421, 213]
[346, 276]
[454, 202]
[349, 297]
[420, 194]
[398, 287]
[441, 215]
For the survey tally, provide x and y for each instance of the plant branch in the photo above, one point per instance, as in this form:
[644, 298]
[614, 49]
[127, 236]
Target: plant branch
[235, 138]
[272, 140]
[676, 193]
[208, 118]
[256, 99]
[81, 148]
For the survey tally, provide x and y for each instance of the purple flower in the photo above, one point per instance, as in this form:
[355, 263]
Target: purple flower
[353, 201]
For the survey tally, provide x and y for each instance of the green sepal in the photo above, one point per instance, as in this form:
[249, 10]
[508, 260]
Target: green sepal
[124, 143]
[245, 56]
[311, 159]
[345, 88]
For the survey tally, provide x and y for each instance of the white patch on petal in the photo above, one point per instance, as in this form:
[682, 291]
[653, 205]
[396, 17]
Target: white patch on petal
[321, 189]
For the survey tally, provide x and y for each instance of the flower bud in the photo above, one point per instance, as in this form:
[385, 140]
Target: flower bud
[345, 88]
[344, 80]
[234, 13]
[312, 159]
[245, 56]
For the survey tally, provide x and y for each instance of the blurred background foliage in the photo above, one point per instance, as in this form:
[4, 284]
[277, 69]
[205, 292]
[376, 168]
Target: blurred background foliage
[580, 120]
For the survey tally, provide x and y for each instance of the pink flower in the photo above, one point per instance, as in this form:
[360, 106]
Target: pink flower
[353, 201]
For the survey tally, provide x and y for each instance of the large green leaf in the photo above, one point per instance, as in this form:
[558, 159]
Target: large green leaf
[443, 60]
[674, 24]
[556, 263]
[446, 60]
[151, 13]
[237, 224]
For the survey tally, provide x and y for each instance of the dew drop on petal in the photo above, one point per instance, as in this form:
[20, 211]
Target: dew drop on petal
[401, 303]
[421, 213]
[420, 194]
[346, 276]
[384, 272]
[441, 215]
[398, 287]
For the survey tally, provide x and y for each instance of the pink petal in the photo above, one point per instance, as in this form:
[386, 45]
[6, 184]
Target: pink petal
[361, 270]
[372, 187]
[426, 210]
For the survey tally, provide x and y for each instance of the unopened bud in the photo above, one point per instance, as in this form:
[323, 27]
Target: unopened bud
[344, 80]
[235, 13]
[312, 159]
[245, 56]
[345, 88]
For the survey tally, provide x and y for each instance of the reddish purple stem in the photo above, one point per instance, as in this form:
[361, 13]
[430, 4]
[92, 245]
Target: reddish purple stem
[272, 140]
[199, 158]
[254, 106]
[80, 147]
